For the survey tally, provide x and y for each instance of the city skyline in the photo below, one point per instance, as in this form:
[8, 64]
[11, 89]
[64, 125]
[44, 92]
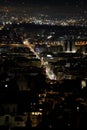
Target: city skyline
[50, 7]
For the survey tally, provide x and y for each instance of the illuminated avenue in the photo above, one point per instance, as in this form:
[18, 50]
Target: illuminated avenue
[43, 64]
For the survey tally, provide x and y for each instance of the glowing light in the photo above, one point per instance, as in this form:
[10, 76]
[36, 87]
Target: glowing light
[49, 71]
[74, 51]
[83, 84]
[6, 85]
[77, 108]
[49, 37]
[36, 113]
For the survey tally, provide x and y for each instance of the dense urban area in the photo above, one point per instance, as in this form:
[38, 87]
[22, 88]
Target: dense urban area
[43, 70]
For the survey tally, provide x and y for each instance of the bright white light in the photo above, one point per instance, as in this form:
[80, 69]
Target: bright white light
[50, 74]
[77, 108]
[74, 51]
[40, 109]
[32, 113]
[49, 37]
[6, 85]
[83, 84]
[49, 56]
[24, 43]
[67, 51]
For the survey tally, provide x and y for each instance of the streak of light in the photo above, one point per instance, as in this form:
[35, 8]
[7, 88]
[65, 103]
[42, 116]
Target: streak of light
[49, 72]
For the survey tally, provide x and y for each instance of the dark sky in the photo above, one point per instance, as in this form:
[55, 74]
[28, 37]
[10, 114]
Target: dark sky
[46, 2]
[61, 7]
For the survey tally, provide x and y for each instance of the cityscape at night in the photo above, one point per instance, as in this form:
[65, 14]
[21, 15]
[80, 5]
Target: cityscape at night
[43, 64]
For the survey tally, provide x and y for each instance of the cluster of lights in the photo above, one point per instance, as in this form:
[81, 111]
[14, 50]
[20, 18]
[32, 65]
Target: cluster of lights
[81, 43]
[36, 113]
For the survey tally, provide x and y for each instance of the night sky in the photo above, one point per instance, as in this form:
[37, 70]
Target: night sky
[46, 2]
[61, 7]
